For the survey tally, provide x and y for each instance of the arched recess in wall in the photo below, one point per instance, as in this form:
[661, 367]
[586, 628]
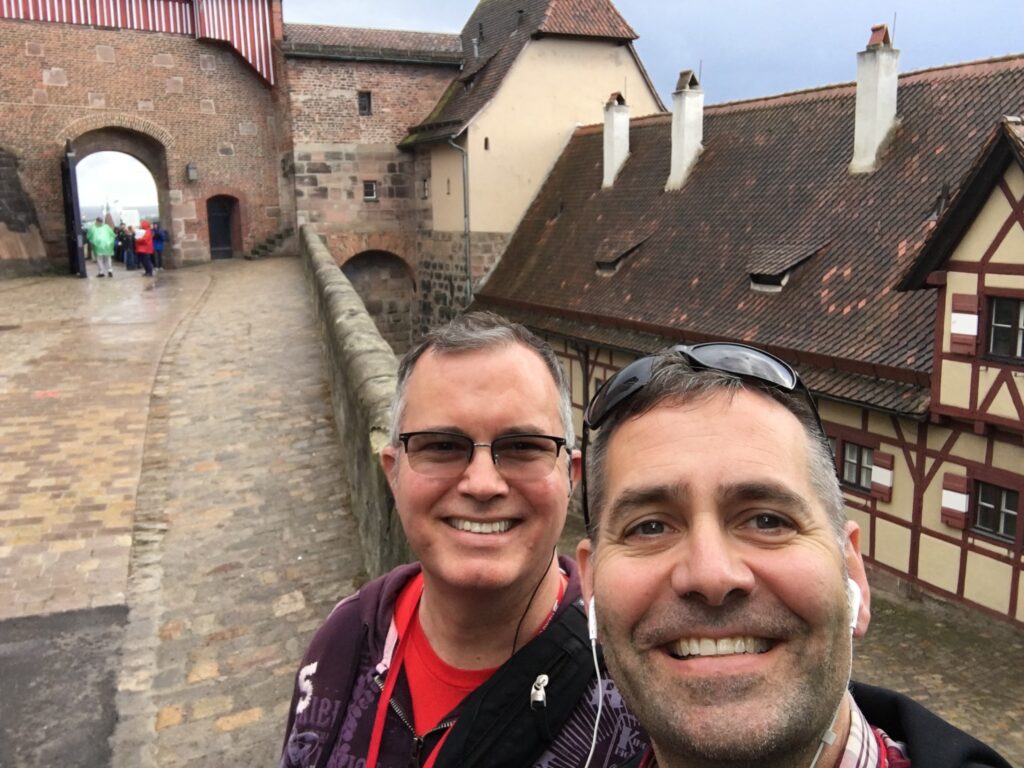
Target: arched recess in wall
[387, 286]
[148, 150]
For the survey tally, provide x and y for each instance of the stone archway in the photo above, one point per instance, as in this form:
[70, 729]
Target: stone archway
[149, 151]
[387, 286]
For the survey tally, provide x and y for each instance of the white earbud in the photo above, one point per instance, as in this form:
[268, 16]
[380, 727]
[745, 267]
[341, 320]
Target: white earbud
[592, 633]
[854, 597]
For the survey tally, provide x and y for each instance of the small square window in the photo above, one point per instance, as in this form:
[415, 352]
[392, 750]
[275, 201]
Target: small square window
[996, 510]
[370, 190]
[365, 103]
[857, 462]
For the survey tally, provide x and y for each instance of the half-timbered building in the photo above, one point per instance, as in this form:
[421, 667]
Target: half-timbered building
[870, 233]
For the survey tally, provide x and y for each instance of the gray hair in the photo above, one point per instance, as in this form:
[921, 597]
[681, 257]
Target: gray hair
[675, 381]
[476, 331]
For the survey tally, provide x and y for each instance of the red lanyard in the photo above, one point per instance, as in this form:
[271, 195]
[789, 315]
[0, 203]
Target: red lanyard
[397, 635]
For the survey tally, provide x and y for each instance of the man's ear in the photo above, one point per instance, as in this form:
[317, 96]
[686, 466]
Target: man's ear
[855, 569]
[575, 468]
[584, 558]
[389, 463]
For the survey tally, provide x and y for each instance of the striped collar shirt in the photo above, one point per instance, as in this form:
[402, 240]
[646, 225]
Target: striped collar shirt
[866, 746]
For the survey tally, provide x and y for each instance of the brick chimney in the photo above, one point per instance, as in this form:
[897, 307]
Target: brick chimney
[616, 137]
[687, 128]
[877, 74]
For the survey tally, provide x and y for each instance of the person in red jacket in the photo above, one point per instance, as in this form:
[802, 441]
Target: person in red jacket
[144, 246]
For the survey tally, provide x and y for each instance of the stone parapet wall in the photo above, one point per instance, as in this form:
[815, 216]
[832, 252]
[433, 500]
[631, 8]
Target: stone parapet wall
[362, 372]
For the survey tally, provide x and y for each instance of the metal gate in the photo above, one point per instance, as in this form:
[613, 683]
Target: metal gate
[72, 213]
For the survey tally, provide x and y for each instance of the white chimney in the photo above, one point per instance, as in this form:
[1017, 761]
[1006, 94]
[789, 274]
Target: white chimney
[687, 128]
[877, 74]
[616, 137]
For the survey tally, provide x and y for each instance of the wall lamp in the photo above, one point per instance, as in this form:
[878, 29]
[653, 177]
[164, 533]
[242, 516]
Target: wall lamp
[192, 172]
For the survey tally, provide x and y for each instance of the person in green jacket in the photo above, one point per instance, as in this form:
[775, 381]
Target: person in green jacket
[101, 239]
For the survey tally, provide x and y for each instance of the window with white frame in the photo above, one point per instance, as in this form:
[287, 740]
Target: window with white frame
[369, 190]
[856, 466]
[996, 510]
[1006, 328]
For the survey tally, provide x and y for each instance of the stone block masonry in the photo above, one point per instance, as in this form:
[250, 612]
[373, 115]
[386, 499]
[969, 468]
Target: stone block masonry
[108, 88]
[362, 372]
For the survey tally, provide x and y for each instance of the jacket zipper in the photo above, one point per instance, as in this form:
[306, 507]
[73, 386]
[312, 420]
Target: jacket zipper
[418, 739]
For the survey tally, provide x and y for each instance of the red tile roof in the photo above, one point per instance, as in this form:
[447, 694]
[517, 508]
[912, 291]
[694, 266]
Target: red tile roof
[501, 29]
[384, 43]
[588, 18]
[773, 175]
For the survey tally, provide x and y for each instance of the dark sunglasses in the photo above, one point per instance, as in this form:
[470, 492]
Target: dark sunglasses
[747, 363]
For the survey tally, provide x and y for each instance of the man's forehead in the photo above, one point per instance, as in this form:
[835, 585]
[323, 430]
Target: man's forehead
[497, 378]
[744, 426]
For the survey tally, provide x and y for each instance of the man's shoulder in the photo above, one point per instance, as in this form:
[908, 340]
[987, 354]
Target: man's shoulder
[371, 606]
[930, 740]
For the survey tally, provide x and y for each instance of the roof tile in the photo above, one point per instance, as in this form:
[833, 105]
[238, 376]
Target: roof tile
[773, 173]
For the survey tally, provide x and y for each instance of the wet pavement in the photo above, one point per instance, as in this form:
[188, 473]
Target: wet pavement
[169, 474]
[167, 445]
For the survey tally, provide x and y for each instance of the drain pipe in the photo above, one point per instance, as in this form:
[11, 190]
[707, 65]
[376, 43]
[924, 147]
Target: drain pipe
[465, 214]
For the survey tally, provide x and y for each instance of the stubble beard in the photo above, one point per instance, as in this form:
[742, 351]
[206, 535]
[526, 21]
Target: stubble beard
[794, 717]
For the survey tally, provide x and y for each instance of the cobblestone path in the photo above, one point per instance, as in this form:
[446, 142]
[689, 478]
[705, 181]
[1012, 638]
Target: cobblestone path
[167, 447]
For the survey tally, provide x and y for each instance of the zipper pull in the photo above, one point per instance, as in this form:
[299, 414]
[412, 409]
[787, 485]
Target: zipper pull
[417, 747]
[538, 697]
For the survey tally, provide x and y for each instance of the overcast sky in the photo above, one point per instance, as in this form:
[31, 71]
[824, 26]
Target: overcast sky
[748, 48]
[743, 48]
[114, 177]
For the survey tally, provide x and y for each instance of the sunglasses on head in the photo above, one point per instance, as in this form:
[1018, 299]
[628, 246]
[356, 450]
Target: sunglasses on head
[747, 363]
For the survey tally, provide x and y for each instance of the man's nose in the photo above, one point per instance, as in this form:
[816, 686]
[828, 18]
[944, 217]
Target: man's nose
[710, 565]
[481, 478]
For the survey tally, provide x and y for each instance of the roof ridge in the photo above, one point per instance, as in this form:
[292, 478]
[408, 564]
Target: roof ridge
[835, 88]
[367, 29]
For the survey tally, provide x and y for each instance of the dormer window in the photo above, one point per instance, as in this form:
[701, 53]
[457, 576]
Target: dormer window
[1006, 328]
[770, 268]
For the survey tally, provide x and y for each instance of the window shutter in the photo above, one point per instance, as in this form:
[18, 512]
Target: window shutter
[881, 476]
[963, 325]
[955, 501]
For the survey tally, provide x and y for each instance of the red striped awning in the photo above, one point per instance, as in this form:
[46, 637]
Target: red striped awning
[243, 24]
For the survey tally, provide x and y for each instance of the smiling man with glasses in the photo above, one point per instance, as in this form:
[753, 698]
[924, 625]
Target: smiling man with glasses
[478, 655]
[728, 585]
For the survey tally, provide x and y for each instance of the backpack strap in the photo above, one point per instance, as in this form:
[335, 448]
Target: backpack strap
[497, 727]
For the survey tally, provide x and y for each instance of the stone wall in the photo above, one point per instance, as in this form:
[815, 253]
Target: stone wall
[442, 272]
[387, 287]
[194, 101]
[362, 372]
[21, 247]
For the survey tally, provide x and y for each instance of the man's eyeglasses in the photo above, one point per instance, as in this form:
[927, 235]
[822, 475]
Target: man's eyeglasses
[446, 455]
[747, 363]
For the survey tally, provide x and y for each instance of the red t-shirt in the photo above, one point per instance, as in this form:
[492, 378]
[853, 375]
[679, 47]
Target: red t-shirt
[435, 686]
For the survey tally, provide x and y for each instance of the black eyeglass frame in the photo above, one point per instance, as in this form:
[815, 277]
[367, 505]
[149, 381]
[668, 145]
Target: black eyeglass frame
[404, 437]
[637, 375]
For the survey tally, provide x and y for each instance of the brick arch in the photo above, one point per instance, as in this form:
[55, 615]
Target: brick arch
[145, 148]
[387, 285]
[90, 123]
